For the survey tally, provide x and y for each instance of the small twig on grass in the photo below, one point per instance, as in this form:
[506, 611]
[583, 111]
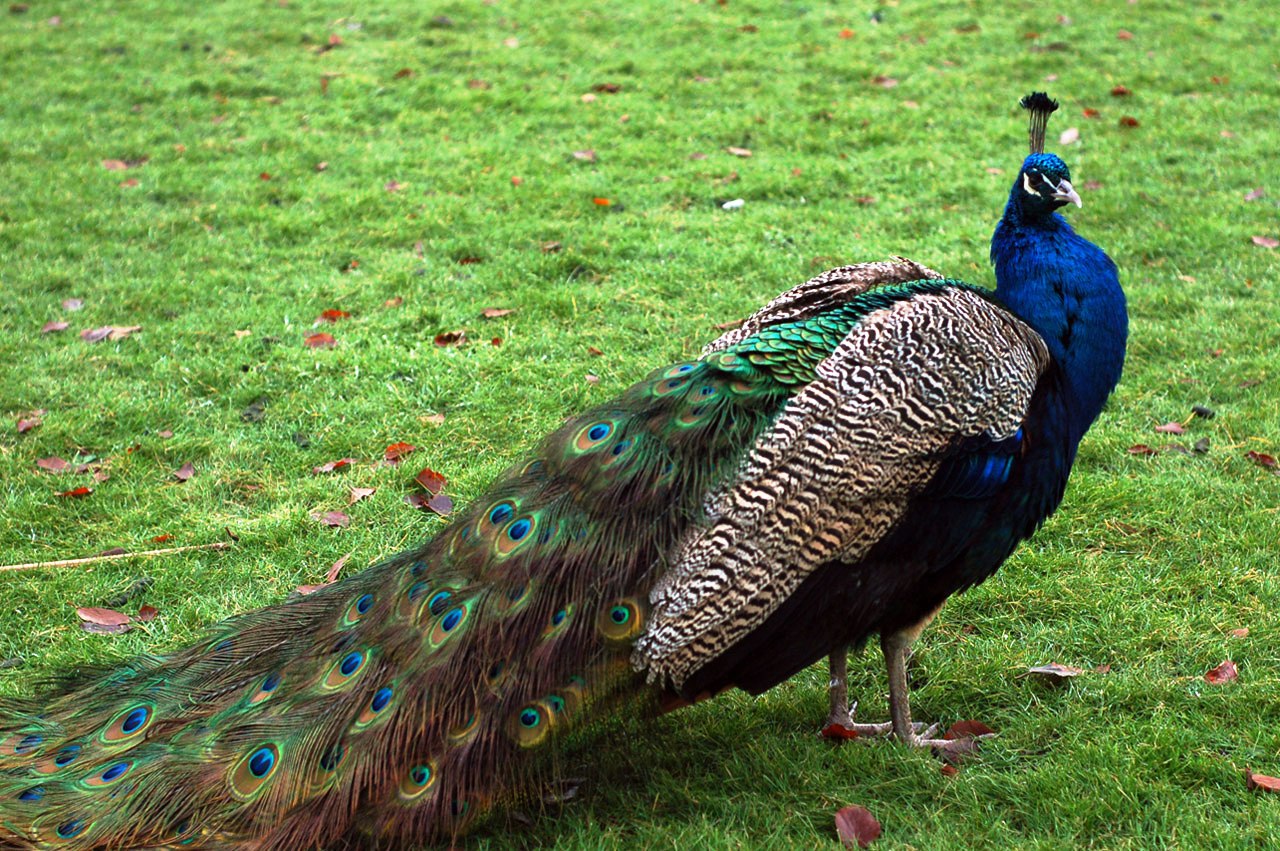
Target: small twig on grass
[70, 562]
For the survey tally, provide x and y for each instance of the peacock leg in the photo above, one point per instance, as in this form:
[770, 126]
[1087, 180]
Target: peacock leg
[840, 723]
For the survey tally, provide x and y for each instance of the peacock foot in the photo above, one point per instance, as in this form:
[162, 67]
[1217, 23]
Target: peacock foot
[846, 728]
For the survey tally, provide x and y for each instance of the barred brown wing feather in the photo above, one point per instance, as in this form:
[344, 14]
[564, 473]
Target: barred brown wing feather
[837, 470]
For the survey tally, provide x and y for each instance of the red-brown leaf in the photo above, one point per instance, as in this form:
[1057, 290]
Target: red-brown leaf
[319, 341]
[967, 730]
[1242, 632]
[594, 352]
[1129, 121]
[95, 335]
[1265, 241]
[402, 73]
[1262, 459]
[53, 464]
[856, 827]
[395, 301]
[75, 493]
[396, 452]
[1254, 194]
[185, 472]
[394, 185]
[160, 539]
[331, 315]
[147, 614]
[1171, 428]
[846, 33]
[333, 466]
[53, 327]
[1124, 35]
[885, 82]
[440, 504]
[451, 338]
[1055, 673]
[738, 152]
[1090, 112]
[1260, 782]
[607, 88]
[336, 568]
[103, 617]
[1142, 449]
[1224, 673]
[470, 260]
[495, 312]
[551, 247]
[839, 732]
[430, 481]
[1120, 92]
[358, 494]
[432, 419]
[336, 519]
[587, 155]
[949, 770]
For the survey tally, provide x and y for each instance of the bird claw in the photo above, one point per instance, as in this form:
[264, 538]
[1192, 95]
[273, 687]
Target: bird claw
[841, 729]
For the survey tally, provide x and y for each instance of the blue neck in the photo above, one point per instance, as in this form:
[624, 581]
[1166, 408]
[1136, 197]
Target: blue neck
[1068, 290]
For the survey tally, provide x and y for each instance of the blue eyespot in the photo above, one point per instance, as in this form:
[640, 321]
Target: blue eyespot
[262, 761]
[66, 756]
[558, 617]
[451, 620]
[416, 590]
[270, 683]
[115, 771]
[134, 720]
[28, 744]
[351, 664]
[519, 529]
[599, 431]
[437, 602]
[330, 759]
[70, 829]
[530, 718]
[685, 367]
[501, 513]
[364, 603]
[35, 793]
[380, 699]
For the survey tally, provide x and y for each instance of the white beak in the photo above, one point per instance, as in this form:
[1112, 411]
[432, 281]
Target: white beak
[1067, 192]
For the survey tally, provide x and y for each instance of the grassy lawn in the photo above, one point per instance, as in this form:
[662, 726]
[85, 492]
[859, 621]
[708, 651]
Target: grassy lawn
[220, 177]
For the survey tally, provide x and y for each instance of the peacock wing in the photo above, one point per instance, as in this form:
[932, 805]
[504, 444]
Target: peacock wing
[840, 465]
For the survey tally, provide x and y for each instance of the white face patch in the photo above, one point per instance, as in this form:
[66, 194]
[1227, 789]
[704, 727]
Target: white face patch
[1026, 184]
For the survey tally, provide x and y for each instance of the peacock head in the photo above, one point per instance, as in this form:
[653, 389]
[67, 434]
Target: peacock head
[1044, 182]
[1044, 185]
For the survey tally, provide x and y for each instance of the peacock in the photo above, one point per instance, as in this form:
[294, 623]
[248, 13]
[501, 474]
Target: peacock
[866, 444]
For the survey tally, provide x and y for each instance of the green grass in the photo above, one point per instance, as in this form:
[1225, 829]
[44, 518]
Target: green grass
[1150, 565]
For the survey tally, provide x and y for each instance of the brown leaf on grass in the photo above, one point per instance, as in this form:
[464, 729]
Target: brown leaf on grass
[1054, 673]
[1265, 241]
[967, 730]
[601, 202]
[396, 452]
[738, 152]
[333, 466]
[430, 481]
[335, 569]
[1129, 121]
[358, 494]
[949, 770]
[1142, 449]
[607, 88]
[1224, 673]
[335, 519]
[27, 422]
[432, 419]
[495, 312]
[594, 352]
[838, 732]
[75, 493]
[551, 247]
[160, 539]
[1262, 459]
[265, 175]
[395, 301]
[53, 327]
[1124, 35]
[884, 82]
[53, 464]
[321, 166]
[402, 73]
[1120, 91]
[479, 84]
[846, 33]
[587, 155]
[1242, 632]
[856, 827]
[322, 340]
[114, 165]
[440, 504]
[1260, 782]
[184, 472]
[102, 617]
[147, 614]
[1171, 428]
[129, 184]
[95, 335]
[451, 338]
[1254, 194]
[1090, 112]
[331, 315]
[957, 751]
[1069, 136]
[394, 185]
[469, 260]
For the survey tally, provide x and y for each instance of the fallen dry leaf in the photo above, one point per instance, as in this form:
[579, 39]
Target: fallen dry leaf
[53, 327]
[884, 82]
[495, 312]
[451, 338]
[395, 301]
[394, 185]
[322, 340]
[95, 335]
[1224, 673]
[432, 419]
[967, 730]
[738, 152]
[1171, 428]
[1128, 121]
[1120, 91]
[396, 452]
[1262, 459]
[1142, 449]
[594, 352]
[1069, 136]
[75, 493]
[551, 247]
[1124, 35]
[1242, 632]
[102, 617]
[856, 827]
[1265, 241]
[333, 466]
[53, 464]
[335, 519]
[1054, 672]
[185, 472]
[588, 155]
[1254, 194]
[147, 614]
[430, 481]
[358, 494]
[336, 568]
[1260, 782]
[330, 315]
